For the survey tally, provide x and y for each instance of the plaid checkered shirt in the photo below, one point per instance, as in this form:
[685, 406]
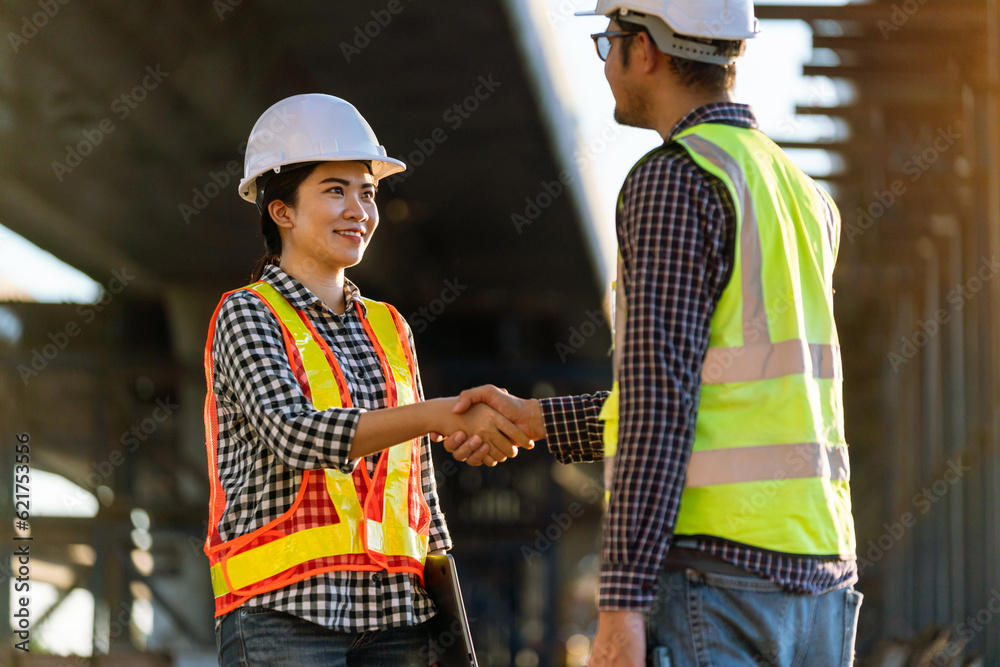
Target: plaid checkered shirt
[676, 232]
[269, 433]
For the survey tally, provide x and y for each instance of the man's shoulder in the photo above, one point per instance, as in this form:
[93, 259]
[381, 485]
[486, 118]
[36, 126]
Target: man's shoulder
[670, 164]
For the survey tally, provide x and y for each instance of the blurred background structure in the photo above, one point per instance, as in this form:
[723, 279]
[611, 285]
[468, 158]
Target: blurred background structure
[121, 134]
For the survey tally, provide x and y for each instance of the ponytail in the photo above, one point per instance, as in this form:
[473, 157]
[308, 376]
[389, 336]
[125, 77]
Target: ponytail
[272, 243]
[266, 260]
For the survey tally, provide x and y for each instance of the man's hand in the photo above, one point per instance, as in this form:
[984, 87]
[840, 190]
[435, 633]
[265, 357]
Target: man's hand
[620, 640]
[526, 414]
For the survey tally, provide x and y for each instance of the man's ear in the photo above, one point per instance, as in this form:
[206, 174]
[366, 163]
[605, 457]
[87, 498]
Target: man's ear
[281, 213]
[648, 52]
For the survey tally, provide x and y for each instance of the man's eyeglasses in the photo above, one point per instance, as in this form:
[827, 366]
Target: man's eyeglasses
[602, 41]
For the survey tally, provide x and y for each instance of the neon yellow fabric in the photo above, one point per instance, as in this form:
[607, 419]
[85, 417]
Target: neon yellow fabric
[752, 511]
[772, 376]
[343, 495]
[609, 415]
[383, 324]
[397, 500]
[249, 567]
[609, 411]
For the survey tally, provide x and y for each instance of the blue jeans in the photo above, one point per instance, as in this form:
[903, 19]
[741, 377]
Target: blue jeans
[261, 637]
[715, 620]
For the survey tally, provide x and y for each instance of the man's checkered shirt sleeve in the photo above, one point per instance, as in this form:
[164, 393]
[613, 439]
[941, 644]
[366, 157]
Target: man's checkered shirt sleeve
[575, 434]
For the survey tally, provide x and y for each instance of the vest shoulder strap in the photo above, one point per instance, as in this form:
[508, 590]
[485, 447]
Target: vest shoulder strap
[385, 324]
[323, 383]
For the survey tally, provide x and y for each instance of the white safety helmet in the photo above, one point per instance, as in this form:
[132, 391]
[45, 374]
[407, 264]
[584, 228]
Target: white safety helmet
[702, 19]
[311, 128]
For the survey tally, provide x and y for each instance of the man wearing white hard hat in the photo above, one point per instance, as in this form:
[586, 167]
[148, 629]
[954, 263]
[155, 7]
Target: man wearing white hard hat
[729, 538]
[323, 503]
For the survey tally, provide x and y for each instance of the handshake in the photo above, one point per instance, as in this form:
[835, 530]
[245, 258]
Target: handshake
[487, 426]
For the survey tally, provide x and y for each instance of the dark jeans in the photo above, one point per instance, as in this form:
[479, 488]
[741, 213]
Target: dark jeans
[716, 620]
[261, 637]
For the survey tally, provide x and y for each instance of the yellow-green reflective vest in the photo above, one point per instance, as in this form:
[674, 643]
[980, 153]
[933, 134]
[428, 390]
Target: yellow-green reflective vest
[769, 466]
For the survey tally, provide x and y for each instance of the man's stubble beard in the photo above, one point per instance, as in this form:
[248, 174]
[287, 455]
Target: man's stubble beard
[635, 108]
[634, 112]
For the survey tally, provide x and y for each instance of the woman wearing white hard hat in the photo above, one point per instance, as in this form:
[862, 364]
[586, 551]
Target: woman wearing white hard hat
[323, 504]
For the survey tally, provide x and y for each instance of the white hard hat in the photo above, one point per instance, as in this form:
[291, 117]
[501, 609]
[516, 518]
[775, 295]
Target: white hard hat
[704, 19]
[311, 128]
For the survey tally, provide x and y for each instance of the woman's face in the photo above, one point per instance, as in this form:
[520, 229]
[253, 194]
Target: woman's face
[334, 216]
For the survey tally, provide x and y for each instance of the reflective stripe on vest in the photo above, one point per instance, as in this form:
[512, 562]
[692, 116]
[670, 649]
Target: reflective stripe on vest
[769, 466]
[386, 528]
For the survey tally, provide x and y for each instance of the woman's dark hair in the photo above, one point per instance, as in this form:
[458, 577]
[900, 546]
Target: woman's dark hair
[693, 74]
[283, 186]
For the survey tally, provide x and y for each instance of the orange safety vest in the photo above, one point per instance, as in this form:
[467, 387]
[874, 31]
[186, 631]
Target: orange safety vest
[338, 521]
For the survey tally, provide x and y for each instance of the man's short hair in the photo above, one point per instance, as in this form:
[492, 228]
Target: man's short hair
[693, 74]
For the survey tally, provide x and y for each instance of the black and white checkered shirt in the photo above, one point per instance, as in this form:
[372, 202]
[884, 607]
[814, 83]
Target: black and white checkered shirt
[677, 239]
[269, 433]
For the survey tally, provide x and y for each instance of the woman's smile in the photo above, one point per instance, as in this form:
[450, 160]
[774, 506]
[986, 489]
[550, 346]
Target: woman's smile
[352, 235]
